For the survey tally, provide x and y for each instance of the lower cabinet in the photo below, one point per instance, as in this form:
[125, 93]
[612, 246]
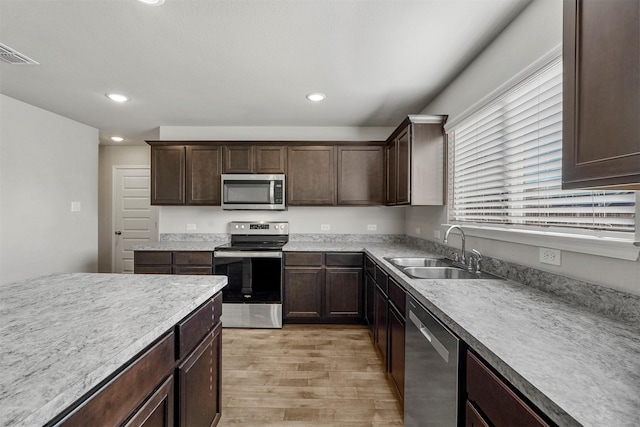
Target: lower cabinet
[492, 402]
[323, 287]
[175, 381]
[173, 262]
[385, 315]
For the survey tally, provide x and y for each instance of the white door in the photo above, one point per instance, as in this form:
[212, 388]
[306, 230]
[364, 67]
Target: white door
[135, 221]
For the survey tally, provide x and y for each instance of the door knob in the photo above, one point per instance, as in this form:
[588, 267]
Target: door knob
[118, 233]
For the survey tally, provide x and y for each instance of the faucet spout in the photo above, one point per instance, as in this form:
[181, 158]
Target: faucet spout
[463, 257]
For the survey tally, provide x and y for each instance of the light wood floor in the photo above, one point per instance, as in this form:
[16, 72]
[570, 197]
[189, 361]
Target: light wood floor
[304, 375]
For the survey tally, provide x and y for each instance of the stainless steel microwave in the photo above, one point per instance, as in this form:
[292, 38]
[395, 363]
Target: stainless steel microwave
[253, 192]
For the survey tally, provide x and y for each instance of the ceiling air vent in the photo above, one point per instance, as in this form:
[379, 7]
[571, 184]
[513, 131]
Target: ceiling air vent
[14, 57]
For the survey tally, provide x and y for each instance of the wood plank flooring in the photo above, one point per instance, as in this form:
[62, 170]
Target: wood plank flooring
[305, 375]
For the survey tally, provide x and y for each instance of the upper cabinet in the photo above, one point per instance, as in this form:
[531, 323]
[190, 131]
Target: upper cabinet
[311, 176]
[601, 104]
[243, 158]
[360, 181]
[415, 162]
[185, 175]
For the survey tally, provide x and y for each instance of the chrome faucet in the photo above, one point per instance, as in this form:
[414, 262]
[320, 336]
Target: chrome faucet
[463, 257]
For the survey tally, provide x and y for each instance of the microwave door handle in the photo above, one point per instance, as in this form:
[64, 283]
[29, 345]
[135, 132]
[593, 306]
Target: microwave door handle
[272, 185]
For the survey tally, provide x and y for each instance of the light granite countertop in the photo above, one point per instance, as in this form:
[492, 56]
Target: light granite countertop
[65, 333]
[580, 367]
[178, 246]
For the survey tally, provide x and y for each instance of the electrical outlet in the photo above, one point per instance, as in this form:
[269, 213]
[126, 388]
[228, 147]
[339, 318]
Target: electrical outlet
[436, 234]
[372, 227]
[75, 206]
[550, 256]
[191, 227]
[418, 230]
[325, 227]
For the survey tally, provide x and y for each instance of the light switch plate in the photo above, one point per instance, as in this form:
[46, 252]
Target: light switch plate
[325, 227]
[75, 206]
[191, 227]
[372, 227]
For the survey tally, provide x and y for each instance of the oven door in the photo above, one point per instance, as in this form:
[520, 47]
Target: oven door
[253, 295]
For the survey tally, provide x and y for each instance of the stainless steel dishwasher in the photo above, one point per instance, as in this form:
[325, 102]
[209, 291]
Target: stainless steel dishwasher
[432, 370]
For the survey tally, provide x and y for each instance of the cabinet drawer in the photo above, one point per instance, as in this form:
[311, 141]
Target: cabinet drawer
[152, 269]
[397, 295]
[152, 257]
[381, 279]
[193, 258]
[343, 259]
[306, 259]
[369, 266]
[192, 329]
[495, 399]
[192, 269]
[123, 394]
[473, 418]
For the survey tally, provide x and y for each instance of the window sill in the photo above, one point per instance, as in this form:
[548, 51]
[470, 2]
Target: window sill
[612, 247]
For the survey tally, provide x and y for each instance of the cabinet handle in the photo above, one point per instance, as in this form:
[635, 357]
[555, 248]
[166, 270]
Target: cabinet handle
[118, 233]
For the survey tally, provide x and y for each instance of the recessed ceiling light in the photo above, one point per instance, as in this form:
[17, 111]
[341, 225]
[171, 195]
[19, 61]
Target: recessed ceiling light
[316, 97]
[152, 2]
[117, 138]
[117, 97]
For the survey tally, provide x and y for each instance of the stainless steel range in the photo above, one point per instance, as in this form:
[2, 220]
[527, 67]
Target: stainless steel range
[252, 261]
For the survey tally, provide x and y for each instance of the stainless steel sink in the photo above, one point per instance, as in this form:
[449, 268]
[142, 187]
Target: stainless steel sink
[418, 262]
[438, 273]
[445, 273]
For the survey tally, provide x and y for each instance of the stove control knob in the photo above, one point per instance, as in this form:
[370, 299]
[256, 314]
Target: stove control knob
[237, 226]
[242, 227]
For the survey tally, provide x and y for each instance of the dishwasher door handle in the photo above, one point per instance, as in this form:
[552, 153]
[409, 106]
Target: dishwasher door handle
[437, 345]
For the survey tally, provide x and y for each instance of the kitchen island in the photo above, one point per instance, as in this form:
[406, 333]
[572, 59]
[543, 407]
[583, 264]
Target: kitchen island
[67, 335]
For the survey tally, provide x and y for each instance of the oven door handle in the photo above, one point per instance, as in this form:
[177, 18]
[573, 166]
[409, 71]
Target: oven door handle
[247, 254]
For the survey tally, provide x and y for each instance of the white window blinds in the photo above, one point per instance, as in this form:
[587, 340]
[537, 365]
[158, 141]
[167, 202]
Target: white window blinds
[506, 159]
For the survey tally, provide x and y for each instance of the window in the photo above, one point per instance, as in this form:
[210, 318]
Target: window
[506, 159]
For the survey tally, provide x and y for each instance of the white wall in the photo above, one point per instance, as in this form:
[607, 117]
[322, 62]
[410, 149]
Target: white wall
[46, 162]
[534, 33]
[110, 156]
[301, 219]
[347, 220]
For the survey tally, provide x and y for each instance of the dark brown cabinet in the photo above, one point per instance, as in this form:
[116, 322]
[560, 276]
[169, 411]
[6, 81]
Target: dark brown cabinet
[175, 381]
[601, 94]
[323, 287]
[168, 175]
[173, 262]
[360, 181]
[491, 401]
[385, 312]
[268, 159]
[199, 383]
[185, 175]
[414, 164]
[311, 176]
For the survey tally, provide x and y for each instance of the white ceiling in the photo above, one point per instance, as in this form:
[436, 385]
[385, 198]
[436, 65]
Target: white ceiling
[241, 62]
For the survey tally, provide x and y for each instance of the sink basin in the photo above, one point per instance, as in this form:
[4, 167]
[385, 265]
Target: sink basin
[445, 273]
[418, 262]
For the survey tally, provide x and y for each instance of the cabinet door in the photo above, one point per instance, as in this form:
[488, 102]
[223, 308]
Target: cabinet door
[311, 176]
[167, 175]
[157, 411]
[238, 159]
[403, 192]
[303, 293]
[472, 417]
[370, 292]
[396, 349]
[199, 385]
[391, 196]
[269, 159]
[343, 292]
[360, 175]
[601, 95]
[203, 175]
[380, 328]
